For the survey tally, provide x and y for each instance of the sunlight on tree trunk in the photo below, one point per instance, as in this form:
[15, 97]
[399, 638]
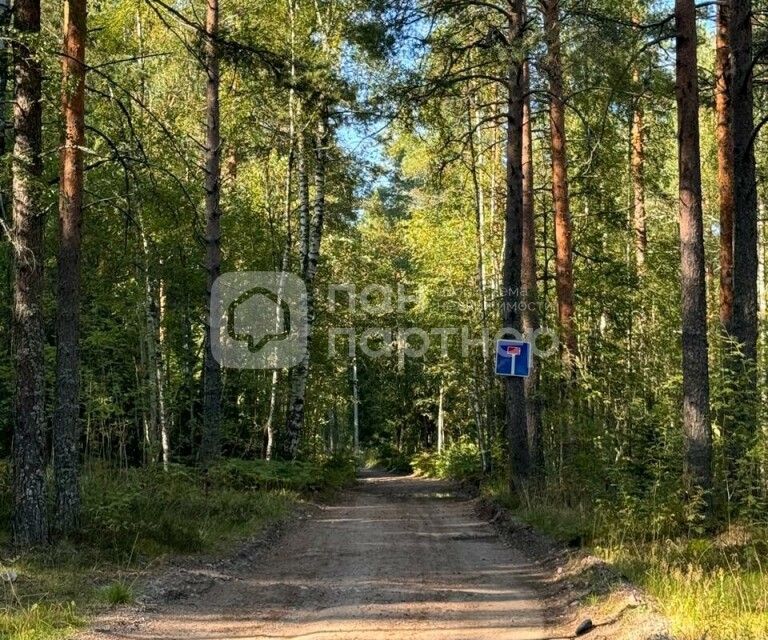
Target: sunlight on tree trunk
[637, 165]
[66, 428]
[725, 176]
[563, 226]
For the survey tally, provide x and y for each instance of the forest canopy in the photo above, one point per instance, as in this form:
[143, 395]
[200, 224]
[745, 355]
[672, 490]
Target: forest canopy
[409, 181]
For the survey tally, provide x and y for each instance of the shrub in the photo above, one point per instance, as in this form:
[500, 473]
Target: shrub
[460, 460]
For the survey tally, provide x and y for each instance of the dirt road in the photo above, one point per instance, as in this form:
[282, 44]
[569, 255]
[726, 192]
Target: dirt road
[395, 558]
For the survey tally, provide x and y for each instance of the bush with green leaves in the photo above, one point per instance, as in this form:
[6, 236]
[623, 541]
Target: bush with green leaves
[460, 460]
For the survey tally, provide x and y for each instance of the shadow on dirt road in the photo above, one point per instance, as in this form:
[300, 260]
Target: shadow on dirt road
[395, 557]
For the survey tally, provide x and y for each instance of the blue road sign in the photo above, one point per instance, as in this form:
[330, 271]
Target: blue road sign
[513, 358]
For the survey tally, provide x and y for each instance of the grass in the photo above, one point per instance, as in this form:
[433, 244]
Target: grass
[117, 593]
[134, 518]
[708, 588]
[39, 621]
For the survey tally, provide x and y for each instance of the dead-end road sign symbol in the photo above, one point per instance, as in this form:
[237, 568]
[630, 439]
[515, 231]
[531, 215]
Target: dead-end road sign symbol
[513, 358]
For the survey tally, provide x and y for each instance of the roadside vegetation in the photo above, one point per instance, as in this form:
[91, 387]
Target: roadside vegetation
[134, 519]
[434, 175]
[708, 586]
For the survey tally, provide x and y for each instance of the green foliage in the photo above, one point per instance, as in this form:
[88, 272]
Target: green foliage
[714, 587]
[39, 621]
[252, 475]
[188, 510]
[459, 460]
[717, 589]
[117, 593]
[133, 516]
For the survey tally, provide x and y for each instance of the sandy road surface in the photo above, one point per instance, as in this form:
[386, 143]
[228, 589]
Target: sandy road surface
[394, 558]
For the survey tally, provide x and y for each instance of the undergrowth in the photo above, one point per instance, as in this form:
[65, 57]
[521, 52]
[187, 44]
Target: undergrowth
[132, 518]
[458, 461]
[707, 587]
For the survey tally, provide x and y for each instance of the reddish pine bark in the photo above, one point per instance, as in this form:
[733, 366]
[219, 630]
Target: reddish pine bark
[637, 170]
[563, 227]
[67, 415]
[725, 175]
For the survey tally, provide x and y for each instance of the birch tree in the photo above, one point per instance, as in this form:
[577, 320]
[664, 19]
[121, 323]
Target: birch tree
[311, 254]
[210, 445]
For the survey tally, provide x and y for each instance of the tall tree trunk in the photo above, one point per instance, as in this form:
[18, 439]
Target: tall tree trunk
[303, 175]
[637, 170]
[696, 425]
[529, 286]
[725, 175]
[30, 524]
[156, 434]
[514, 395]
[210, 446]
[482, 389]
[745, 221]
[269, 426]
[560, 198]
[475, 163]
[66, 426]
[296, 404]
[6, 255]
[726, 184]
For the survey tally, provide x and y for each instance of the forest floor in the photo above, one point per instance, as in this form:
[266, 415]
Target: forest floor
[395, 557]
